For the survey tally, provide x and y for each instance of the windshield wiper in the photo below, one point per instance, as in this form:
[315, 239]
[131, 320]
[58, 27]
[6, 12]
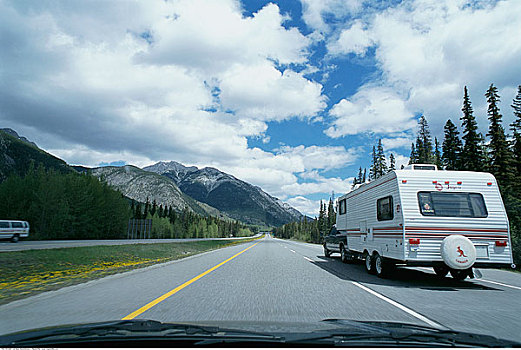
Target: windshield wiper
[131, 329]
[362, 332]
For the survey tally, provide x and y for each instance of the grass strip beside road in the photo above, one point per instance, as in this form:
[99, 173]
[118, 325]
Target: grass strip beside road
[29, 272]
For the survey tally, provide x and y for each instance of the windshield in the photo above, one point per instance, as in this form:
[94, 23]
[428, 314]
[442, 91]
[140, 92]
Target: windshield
[260, 164]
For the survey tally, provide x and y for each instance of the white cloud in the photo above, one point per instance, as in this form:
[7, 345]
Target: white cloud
[322, 185]
[396, 142]
[314, 11]
[371, 109]
[306, 206]
[189, 80]
[353, 40]
[427, 50]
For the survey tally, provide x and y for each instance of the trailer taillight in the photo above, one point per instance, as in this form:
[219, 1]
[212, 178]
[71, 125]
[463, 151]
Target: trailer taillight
[501, 243]
[435, 182]
[489, 183]
[414, 241]
[404, 181]
[459, 182]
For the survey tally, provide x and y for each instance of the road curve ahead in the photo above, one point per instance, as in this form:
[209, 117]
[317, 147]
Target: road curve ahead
[275, 280]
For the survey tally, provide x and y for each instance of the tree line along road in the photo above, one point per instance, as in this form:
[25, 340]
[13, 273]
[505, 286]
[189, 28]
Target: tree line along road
[276, 280]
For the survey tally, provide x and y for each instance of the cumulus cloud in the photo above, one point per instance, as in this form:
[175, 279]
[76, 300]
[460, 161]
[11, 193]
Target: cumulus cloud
[354, 40]
[99, 82]
[371, 109]
[305, 205]
[426, 52]
[314, 11]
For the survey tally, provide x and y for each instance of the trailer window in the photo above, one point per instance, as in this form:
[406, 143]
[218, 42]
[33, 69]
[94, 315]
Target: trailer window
[384, 208]
[452, 204]
[4, 225]
[343, 207]
[17, 225]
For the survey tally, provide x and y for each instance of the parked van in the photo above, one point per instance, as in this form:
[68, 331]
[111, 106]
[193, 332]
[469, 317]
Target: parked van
[421, 216]
[13, 229]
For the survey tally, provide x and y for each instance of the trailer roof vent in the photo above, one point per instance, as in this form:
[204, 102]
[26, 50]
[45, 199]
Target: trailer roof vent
[421, 167]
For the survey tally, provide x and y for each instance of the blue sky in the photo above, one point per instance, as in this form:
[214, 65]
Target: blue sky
[287, 95]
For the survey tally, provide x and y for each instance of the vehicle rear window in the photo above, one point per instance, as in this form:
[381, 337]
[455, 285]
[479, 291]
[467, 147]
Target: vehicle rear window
[384, 209]
[4, 225]
[452, 204]
[17, 225]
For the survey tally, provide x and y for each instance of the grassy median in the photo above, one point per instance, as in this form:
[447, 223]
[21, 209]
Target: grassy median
[31, 272]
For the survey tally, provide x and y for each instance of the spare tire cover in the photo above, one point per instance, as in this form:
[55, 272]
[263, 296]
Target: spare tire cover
[458, 252]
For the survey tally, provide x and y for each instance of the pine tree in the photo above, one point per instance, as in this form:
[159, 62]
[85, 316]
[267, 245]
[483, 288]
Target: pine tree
[364, 178]
[516, 132]
[500, 153]
[413, 158]
[424, 142]
[451, 147]
[381, 168]
[331, 215]
[437, 154]
[154, 208]
[392, 160]
[360, 176]
[471, 155]
[373, 169]
[147, 208]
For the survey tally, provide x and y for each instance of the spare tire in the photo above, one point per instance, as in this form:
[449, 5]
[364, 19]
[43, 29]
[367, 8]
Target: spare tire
[458, 252]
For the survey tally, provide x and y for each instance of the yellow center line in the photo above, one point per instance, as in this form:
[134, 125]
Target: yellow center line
[177, 289]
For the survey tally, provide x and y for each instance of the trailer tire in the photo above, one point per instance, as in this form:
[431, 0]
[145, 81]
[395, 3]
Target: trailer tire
[382, 267]
[441, 271]
[369, 263]
[327, 252]
[459, 275]
[15, 238]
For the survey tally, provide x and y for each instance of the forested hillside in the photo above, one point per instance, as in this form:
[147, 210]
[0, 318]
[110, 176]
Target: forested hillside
[16, 156]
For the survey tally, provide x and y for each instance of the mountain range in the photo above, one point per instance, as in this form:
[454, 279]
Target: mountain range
[206, 191]
[238, 199]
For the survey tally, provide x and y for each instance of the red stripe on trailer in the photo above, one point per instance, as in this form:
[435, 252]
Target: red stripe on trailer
[455, 229]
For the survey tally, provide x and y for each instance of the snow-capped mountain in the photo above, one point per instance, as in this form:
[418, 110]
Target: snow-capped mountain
[237, 198]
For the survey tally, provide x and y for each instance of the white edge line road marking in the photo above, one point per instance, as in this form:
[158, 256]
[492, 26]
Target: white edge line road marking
[292, 250]
[501, 284]
[400, 306]
[308, 259]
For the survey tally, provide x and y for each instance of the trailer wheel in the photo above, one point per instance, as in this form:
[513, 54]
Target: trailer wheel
[441, 271]
[459, 275]
[327, 253]
[15, 238]
[369, 264]
[382, 267]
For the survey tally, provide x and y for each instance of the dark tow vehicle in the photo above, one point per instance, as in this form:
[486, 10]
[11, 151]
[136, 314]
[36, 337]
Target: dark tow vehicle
[336, 242]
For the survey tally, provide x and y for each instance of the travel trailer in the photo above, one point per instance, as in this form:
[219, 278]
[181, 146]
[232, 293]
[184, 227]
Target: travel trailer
[421, 216]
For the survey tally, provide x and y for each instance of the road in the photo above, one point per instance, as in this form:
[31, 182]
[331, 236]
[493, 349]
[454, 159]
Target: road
[7, 246]
[278, 280]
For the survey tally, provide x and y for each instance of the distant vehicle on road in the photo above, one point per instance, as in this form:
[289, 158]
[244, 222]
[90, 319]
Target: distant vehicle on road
[421, 216]
[13, 230]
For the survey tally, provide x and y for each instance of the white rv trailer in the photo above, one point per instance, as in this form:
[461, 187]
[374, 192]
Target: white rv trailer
[421, 216]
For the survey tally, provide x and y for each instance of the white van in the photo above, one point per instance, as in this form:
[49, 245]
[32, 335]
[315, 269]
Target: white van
[13, 229]
[421, 216]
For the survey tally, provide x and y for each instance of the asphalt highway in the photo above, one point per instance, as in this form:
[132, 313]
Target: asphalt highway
[6, 246]
[275, 280]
